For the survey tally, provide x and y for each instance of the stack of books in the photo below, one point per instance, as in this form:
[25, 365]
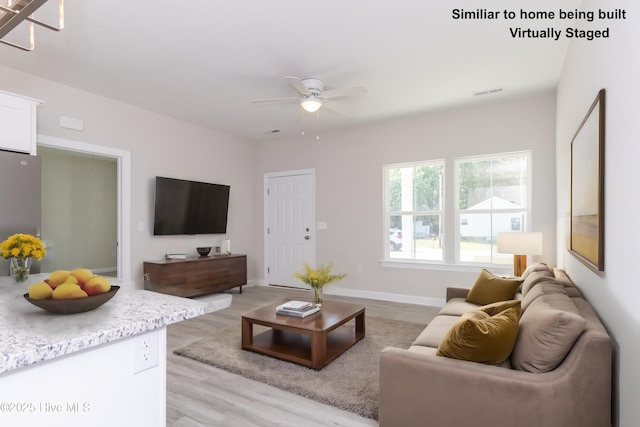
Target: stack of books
[297, 308]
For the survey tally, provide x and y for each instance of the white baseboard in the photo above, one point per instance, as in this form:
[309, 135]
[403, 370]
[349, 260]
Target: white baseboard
[104, 270]
[255, 282]
[385, 296]
[381, 296]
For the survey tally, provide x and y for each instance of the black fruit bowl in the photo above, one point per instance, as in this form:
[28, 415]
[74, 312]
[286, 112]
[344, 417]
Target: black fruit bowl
[73, 306]
[204, 251]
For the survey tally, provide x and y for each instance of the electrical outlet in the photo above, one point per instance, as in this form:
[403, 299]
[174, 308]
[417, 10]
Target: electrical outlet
[145, 351]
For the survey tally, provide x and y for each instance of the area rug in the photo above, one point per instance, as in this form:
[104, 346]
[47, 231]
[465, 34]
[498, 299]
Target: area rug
[351, 382]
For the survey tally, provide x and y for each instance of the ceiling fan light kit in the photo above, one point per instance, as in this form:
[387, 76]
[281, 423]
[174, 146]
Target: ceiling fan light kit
[313, 96]
[14, 12]
[311, 104]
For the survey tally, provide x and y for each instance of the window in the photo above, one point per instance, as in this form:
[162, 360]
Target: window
[492, 195]
[414, 209]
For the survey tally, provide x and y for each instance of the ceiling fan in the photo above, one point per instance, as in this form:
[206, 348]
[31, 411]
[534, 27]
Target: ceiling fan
[313, 96]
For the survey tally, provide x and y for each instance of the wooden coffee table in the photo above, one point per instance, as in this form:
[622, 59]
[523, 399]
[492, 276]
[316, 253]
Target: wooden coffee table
[313, 341]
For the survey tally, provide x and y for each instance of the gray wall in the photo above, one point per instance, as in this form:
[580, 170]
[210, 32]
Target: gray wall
[159, 145]
[79, 211]
[612, 65]
[349, 179]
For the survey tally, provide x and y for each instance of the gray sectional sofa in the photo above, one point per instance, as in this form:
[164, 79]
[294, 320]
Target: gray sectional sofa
[558, 373]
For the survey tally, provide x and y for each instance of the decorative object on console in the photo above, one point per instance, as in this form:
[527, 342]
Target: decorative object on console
[317, 279]
[20, 248]
[227, 245]
[203, 250]
[587, 187]
[520, 244]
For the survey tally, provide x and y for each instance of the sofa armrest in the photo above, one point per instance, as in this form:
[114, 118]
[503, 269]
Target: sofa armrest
[418, 387]
[455, 292]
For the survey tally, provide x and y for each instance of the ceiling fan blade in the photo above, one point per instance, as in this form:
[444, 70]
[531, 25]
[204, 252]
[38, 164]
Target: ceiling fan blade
[337, 108]
[297, 84]
[274, 100]
[349, 91]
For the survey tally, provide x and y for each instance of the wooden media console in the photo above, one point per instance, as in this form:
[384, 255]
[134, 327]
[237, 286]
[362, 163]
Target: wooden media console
[196, 276]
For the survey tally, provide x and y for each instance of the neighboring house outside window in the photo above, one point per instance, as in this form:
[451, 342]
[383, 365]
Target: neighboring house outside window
[491, 194]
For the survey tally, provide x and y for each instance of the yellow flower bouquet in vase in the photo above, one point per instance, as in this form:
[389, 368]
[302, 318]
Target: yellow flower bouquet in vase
[317, 279]
[20, 249]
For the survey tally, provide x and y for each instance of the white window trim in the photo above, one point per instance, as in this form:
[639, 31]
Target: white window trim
[456, 200]
[386, 213]
[450, 221]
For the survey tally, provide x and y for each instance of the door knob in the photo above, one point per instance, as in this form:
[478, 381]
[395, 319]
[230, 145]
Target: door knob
[306, 237]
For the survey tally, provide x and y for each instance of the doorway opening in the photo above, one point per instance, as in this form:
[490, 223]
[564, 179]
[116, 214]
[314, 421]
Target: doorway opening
[86, 213]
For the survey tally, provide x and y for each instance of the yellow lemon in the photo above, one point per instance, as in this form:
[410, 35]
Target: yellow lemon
[68, 291]
[57, 277]
[40, 290]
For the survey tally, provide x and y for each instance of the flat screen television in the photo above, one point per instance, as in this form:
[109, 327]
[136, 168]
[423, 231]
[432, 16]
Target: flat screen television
[189, 207]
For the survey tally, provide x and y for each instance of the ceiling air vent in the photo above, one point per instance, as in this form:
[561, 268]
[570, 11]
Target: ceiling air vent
[487, 91]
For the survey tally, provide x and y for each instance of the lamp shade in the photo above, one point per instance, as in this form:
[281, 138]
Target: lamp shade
[520, 243]
[311, 104]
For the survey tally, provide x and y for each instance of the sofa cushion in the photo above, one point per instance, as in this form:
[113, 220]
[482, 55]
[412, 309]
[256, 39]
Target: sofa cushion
[534, 278]
[485, 335]
[548, 330]
[536, 266]
[562, 277]
[435, 331]
[457, 307]
[547, 287]
[489, 289]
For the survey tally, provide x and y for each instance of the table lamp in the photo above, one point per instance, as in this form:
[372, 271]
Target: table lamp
[520, 244]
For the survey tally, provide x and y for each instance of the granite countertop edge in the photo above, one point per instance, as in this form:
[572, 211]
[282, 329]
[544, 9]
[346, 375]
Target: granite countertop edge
[30, 335]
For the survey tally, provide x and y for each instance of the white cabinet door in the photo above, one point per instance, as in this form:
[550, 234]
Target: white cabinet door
[18, 123]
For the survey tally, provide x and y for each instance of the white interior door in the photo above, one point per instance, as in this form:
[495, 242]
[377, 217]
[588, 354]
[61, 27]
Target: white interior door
[290, 233]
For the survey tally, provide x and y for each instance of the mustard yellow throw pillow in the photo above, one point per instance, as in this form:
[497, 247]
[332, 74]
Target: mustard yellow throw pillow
[486, 335]
[489, 289]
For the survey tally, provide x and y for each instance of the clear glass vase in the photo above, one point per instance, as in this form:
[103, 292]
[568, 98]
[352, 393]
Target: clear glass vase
[20, 268]
[317, 297]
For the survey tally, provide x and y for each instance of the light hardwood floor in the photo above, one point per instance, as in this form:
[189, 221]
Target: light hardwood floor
[201, 395]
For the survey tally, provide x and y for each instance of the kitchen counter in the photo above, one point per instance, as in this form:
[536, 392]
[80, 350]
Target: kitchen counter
[29, 334]
[66, 370]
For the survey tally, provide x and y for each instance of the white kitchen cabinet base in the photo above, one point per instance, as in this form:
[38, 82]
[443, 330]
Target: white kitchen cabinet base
[94, 387]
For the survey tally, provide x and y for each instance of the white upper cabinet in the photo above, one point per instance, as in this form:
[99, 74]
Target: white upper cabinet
[18, 123]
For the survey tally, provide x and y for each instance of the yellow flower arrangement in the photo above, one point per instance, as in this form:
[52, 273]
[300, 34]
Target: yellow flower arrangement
[318, 278]
[22, 246]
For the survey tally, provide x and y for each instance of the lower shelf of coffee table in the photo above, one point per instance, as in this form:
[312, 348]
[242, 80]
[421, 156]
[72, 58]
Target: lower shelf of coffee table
[296, 347]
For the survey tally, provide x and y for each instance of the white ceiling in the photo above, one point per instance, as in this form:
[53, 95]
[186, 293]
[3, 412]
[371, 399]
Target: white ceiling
[203, 61]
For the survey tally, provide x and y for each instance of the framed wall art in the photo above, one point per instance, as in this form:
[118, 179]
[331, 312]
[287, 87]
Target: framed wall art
[587, 187]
